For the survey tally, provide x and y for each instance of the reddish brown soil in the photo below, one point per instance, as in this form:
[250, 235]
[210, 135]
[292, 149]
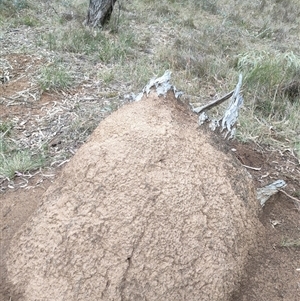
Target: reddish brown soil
[21, 67]
[273, 273]
[20, 97]
[15, 207]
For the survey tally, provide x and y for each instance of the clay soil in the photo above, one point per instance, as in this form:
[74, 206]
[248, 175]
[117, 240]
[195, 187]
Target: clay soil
[273, 273]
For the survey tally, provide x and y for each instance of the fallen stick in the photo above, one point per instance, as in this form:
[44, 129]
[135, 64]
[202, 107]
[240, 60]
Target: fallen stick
[288, 195]
[250, 167]
[213, 103]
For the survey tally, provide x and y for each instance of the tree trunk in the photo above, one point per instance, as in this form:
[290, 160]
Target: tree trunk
[99, 12]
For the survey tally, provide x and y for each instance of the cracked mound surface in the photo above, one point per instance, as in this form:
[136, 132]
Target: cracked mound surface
[147, 209]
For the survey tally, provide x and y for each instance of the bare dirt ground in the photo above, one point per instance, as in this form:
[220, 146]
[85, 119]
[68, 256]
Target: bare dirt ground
[274, 270]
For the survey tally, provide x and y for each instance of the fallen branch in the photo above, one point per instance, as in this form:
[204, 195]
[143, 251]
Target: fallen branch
[214, 103]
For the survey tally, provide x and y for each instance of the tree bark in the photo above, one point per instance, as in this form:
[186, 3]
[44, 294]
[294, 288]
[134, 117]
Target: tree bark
[99, 12]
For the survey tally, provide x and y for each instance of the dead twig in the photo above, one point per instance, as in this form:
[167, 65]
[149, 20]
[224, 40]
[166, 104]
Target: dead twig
[288, 195]
[250, 167]
[213, 103]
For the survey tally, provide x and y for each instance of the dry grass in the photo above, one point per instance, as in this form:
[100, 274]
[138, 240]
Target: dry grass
[290, 243]
[205, 43]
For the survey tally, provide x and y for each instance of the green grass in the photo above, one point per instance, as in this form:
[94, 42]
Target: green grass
[275, 75]
[5, 128]
[117, 49]
[14, 160]
[79, 40]
[297, 150]
[209, 6]
[19, 162]
[290, 243]
[107, 47]
[272, 83]
[55, 77]
[28, 20]
[9, 8]
[139, 72]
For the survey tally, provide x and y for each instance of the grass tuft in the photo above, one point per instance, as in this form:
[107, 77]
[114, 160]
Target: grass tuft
[19, 162]
[80, 41]
[290, 243]
[13, 160]
[29, 21]
[210, 6]
[109, 48]
[118, 49]
[55, 77]
[5, 128]
[10, 8]
[274, 78]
